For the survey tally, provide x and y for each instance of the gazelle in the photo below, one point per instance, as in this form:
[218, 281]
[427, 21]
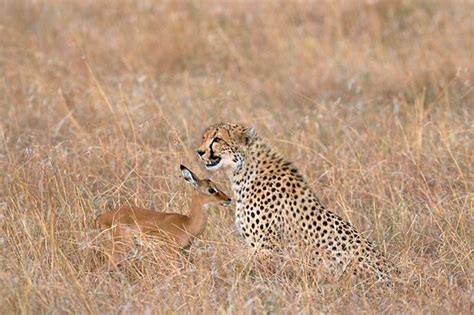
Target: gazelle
[124, 223]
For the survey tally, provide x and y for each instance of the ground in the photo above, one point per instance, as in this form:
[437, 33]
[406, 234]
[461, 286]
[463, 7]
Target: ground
[101, 101]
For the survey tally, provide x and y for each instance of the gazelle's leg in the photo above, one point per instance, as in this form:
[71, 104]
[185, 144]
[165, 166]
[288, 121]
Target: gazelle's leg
[122, 242]
[109, 249]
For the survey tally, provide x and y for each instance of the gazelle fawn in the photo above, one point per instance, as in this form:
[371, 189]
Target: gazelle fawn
[123, 224]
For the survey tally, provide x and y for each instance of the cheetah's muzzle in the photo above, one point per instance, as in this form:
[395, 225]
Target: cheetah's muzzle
[213, 163]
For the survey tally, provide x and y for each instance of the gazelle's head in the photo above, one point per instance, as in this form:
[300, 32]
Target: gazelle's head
[208, 190]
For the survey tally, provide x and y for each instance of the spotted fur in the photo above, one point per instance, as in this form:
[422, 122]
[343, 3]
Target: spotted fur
[275, 205]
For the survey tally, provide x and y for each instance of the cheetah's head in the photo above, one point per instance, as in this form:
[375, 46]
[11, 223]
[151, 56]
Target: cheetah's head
[222, 144]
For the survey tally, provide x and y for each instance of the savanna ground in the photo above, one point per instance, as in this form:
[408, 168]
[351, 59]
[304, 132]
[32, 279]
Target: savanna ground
[101, 100]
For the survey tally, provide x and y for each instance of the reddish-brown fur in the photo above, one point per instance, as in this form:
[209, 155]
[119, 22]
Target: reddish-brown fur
[177, 229]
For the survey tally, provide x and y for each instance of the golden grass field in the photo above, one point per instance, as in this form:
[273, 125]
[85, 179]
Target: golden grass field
[101, 101]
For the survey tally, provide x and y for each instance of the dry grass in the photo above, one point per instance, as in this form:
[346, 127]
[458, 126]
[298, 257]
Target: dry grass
[101, 100]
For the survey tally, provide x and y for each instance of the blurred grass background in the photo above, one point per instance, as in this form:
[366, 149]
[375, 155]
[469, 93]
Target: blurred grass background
[101, 100]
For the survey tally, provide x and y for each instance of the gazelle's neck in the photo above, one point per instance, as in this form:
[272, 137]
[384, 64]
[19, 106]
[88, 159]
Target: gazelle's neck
[197, 215]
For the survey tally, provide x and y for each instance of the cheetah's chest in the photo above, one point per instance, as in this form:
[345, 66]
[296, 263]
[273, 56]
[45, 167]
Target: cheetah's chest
[240, 213]
[254, 219]
[240, 186]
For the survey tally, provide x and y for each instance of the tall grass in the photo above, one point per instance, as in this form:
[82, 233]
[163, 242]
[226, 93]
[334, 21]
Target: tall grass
[101, 100]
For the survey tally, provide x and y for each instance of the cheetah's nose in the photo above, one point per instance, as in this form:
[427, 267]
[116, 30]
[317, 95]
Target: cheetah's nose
[200, 153]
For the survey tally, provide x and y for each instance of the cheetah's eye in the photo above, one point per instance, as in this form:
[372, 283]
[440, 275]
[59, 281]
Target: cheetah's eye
[212, 191]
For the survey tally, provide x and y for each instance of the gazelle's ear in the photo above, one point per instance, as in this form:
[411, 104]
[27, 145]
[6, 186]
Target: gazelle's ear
[189, 176]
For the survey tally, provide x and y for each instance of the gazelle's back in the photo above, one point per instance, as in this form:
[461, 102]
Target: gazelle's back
[147, 220]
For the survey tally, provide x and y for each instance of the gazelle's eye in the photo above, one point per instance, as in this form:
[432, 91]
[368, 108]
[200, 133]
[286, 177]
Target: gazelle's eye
[212, 191]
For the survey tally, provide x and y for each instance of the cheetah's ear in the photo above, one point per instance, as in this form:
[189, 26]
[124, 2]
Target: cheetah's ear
[249, 135]
[189, 176]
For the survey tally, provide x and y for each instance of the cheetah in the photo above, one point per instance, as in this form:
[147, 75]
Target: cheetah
[274, 203]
